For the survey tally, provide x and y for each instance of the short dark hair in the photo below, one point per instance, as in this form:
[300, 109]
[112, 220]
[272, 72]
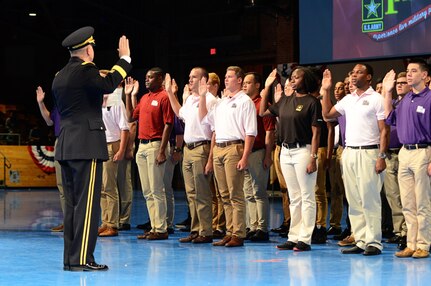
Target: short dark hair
[369, 69]
[158, 71]
[257, 77]
[422, 64]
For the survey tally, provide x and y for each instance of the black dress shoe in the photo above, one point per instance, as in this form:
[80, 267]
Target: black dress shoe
[371, 250]
[334, 230]
[145, 226]
[124, 226]
[171, 230]
[352, 250]
[302, 246]
[394, 239]
[288, 245]
[281, 228]
[260, 236]
[402, 243]
[346, 232]
[249, 234]
[92, 266]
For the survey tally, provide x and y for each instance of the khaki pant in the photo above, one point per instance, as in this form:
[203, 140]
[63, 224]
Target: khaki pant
[231, 182]
[151, 176]
[392, 191]
[198, 190]
[363, 186]
[282, 183]
[125, 190]
[337, 189]
[320, 189]
[109, 200]
[219, 220]
[169, 191]
[255, 185]
[415, 189]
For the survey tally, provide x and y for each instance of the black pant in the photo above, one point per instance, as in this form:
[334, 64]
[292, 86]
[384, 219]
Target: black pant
[82, 181]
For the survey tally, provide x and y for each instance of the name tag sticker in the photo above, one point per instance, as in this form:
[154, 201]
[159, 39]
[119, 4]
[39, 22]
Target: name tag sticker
[365, 102]
[154, 103]
[420, 109]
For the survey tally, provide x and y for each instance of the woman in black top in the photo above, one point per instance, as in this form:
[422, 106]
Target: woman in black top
[300, 117]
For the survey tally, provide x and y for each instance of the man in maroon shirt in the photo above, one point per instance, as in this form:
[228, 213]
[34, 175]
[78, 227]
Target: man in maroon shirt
[155, 118]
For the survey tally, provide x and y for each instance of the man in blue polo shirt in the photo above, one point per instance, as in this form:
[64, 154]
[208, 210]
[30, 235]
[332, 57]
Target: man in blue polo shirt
[413, 120]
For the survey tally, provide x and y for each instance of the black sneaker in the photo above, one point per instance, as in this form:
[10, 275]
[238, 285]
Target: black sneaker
[288, 245]
[302, 246]
[260, 236]
[334, 231]
[319, 235]
[346, 232]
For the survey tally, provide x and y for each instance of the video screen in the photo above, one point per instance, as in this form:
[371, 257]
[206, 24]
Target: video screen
[348, 30]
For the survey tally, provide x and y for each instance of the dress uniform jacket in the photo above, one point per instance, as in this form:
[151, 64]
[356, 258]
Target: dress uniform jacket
[78, 93]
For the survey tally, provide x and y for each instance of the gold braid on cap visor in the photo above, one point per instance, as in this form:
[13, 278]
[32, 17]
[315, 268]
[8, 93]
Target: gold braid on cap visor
[86, 42]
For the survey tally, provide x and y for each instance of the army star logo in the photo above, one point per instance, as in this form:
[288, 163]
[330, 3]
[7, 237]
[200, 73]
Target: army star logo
[372, 8]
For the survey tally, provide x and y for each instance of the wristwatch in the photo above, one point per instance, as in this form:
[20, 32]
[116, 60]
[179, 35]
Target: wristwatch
[382, 155]
[313, 155]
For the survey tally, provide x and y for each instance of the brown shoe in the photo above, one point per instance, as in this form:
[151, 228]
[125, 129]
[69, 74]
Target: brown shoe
[101, 229]
[406, 252]
[144, 236]
[189, 238]
[421, 253]
[58, 228]
[235, 241]
[223, 242]
[109, 231]
[348, 241]
[203, 239]
[158, 236]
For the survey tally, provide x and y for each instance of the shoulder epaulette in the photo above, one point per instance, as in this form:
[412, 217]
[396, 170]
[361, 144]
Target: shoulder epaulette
[88, 63]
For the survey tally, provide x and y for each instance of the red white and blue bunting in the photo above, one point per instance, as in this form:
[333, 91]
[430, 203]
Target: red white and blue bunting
[43, 157]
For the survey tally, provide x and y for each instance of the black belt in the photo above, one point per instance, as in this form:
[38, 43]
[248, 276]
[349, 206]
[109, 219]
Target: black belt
[394, 150]
[364, 147]
[227, 143]
[257, 149]
[416, 146]
[193, 145]
[293, 145]
[146, 141]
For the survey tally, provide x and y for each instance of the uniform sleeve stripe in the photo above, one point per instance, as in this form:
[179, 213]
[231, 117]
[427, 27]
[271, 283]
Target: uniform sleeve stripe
[120, 70]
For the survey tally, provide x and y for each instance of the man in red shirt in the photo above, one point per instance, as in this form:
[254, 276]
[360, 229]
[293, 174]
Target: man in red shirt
[155, 118]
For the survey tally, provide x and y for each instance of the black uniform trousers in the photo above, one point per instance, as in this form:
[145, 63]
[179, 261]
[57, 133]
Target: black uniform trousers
[82, 181]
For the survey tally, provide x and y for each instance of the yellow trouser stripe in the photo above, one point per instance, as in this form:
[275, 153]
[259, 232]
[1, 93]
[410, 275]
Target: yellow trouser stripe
[88, 211]
[120, 70]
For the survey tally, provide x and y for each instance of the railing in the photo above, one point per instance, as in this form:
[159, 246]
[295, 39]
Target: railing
[6, 164]
[10, 138]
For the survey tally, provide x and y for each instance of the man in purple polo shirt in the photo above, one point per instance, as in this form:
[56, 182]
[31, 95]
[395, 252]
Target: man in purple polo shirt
[413, 120]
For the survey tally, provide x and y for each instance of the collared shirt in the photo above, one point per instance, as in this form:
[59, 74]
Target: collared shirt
[233, 118]
[153, 112]
[114, 118]
[413, 118]
[264, 124]
[362, 115]
[195, 130]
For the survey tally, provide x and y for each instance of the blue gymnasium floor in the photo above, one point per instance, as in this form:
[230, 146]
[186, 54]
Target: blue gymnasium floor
[31, 255]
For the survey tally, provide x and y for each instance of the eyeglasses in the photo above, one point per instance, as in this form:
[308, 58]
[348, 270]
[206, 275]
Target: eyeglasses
[401, 82]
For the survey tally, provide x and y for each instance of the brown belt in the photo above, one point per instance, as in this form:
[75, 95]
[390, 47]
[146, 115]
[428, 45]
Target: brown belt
[227, 143]
[193, 145]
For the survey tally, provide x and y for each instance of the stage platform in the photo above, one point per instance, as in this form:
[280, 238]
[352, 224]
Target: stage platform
[31, 255]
